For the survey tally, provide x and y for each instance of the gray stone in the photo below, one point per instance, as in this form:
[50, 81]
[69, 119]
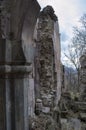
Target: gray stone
[31, 96]
[15, 64]
[83, 116]
[70, 124]
[46, 110]
[83, 77]
[48, 48]
[63, 124]
[29, 65]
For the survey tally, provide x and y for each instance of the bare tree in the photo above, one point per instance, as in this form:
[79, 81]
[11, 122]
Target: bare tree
[79, 38]
[73, 56]
[78, 46]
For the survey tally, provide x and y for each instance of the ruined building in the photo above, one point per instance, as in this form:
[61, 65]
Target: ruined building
[73, 107]
[29, 63]
[83, 77]
[30, 71]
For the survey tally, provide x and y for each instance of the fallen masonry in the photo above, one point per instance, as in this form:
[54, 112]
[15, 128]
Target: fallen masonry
[31, 77]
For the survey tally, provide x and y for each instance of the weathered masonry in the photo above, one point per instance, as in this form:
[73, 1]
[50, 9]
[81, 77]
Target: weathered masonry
[30, 67]
[47, 71]
[17, 18]
[73, 107]
[47, 59]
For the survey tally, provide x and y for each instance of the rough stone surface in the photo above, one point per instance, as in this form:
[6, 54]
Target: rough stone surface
[71, 124]
[18, 71]
[15, 64]
[73, 105]
[30, 72]
[83, 77]
[46, 46]
[47, 67]
[43, 122]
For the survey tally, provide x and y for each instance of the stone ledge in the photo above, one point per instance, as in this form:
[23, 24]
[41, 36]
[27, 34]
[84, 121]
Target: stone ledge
[21, 69]
[5, 69]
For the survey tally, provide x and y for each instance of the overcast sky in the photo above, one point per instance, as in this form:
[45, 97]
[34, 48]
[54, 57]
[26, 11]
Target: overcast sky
[69, 13]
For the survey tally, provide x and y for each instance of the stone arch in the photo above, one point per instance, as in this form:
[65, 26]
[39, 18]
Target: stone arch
[23, 27]
[17, 16]
[18, 20]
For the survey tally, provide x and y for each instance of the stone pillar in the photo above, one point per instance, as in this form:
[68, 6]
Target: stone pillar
[20, 83]
[14, 61]
[83, 77]
[5, 101]
[57, 58]
[31, 96]
[47, 59]
[13, 90]
[2, 105]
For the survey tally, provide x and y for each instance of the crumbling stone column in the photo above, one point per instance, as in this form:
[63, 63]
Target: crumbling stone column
[47, 59]
[83, 77]
[16, 18]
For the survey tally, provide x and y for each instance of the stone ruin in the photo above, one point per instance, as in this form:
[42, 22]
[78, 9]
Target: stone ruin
[29, 64]
[30, 71]
[83, 77]
[73, 107]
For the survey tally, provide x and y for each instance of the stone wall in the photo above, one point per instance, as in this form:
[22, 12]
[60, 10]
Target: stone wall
[83, 77]
[48, 59]
[30, 66]
[16, 67]
[73, 105]
[47, 71]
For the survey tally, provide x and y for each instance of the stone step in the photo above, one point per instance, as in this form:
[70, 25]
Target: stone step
[83, 116]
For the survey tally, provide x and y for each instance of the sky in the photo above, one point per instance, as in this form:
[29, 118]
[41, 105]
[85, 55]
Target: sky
[69, 13]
